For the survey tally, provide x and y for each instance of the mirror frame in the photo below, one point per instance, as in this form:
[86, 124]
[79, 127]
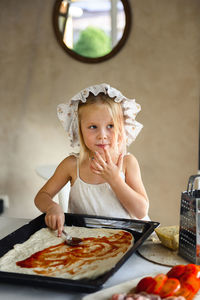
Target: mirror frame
[115, 50]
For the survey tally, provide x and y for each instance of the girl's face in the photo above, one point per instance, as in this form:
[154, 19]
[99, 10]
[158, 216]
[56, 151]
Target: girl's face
[97, 128]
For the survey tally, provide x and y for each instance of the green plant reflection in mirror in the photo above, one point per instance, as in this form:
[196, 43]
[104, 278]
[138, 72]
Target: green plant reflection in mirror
[92, 42]
[92, 30]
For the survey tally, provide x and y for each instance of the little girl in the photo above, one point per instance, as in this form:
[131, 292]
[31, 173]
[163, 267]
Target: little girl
[105, 181]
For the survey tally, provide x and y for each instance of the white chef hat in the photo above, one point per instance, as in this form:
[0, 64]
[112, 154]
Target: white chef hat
[68, 112]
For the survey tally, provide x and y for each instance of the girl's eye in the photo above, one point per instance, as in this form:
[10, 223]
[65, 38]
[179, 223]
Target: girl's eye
[110, 126]
[92, 127]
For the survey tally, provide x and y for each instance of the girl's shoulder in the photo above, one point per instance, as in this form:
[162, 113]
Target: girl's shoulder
[130, 161]
[130, 157]
[71, 159]
[69, 163]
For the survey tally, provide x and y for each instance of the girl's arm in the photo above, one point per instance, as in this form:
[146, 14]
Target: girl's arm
[44, 199]
[131, 192]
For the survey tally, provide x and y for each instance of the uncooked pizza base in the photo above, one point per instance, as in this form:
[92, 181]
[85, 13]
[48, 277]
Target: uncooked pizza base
[46, 254]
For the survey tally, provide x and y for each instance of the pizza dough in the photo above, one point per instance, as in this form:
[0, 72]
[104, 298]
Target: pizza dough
[48, 255]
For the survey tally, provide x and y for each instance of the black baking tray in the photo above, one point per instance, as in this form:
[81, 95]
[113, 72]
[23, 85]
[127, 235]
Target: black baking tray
[141, 230]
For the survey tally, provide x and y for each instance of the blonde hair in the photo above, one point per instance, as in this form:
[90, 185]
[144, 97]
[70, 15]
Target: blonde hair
[116, 112]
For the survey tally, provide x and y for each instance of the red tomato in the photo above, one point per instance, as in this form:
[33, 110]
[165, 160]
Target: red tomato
[190, 296]
[192, 269]
[176, 271]
[117, 296]
[170, 287]
[191, 282]
[146, 284]
[160, 280]
[184, 292]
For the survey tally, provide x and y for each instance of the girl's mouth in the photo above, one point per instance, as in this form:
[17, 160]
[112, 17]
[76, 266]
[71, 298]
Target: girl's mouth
[103, 146]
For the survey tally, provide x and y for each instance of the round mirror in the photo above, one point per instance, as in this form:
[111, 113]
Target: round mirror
[92, 30]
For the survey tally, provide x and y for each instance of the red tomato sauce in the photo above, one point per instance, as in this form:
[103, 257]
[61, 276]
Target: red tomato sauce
[63, 258]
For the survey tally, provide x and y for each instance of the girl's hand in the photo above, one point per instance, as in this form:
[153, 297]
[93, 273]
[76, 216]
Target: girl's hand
[55, 218]
[106, 168]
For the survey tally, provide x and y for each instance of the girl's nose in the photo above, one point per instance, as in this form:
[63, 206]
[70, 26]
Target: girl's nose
[102, 134]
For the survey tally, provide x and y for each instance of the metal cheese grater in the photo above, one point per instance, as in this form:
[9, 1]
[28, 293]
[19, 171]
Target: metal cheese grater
[189, 235]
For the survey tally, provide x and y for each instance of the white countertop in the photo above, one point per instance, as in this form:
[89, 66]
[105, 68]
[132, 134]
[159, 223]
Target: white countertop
[134, 267]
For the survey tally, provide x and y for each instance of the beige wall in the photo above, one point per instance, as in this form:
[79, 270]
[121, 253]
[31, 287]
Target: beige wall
[159, 66]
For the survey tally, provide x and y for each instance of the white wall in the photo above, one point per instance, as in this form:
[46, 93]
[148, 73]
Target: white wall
[159, 66]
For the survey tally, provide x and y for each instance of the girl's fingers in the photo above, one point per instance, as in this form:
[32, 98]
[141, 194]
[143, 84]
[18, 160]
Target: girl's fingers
[46, 221]
[59, 226]
[108, 157]
[96, 165]
[53, 222]
[50, 221]
[100, 159]
[96, 172]
[120, 161]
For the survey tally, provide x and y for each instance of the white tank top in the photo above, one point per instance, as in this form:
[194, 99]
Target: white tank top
[95, 199]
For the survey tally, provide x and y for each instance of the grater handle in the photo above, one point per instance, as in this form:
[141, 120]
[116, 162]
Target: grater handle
[191, 183]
